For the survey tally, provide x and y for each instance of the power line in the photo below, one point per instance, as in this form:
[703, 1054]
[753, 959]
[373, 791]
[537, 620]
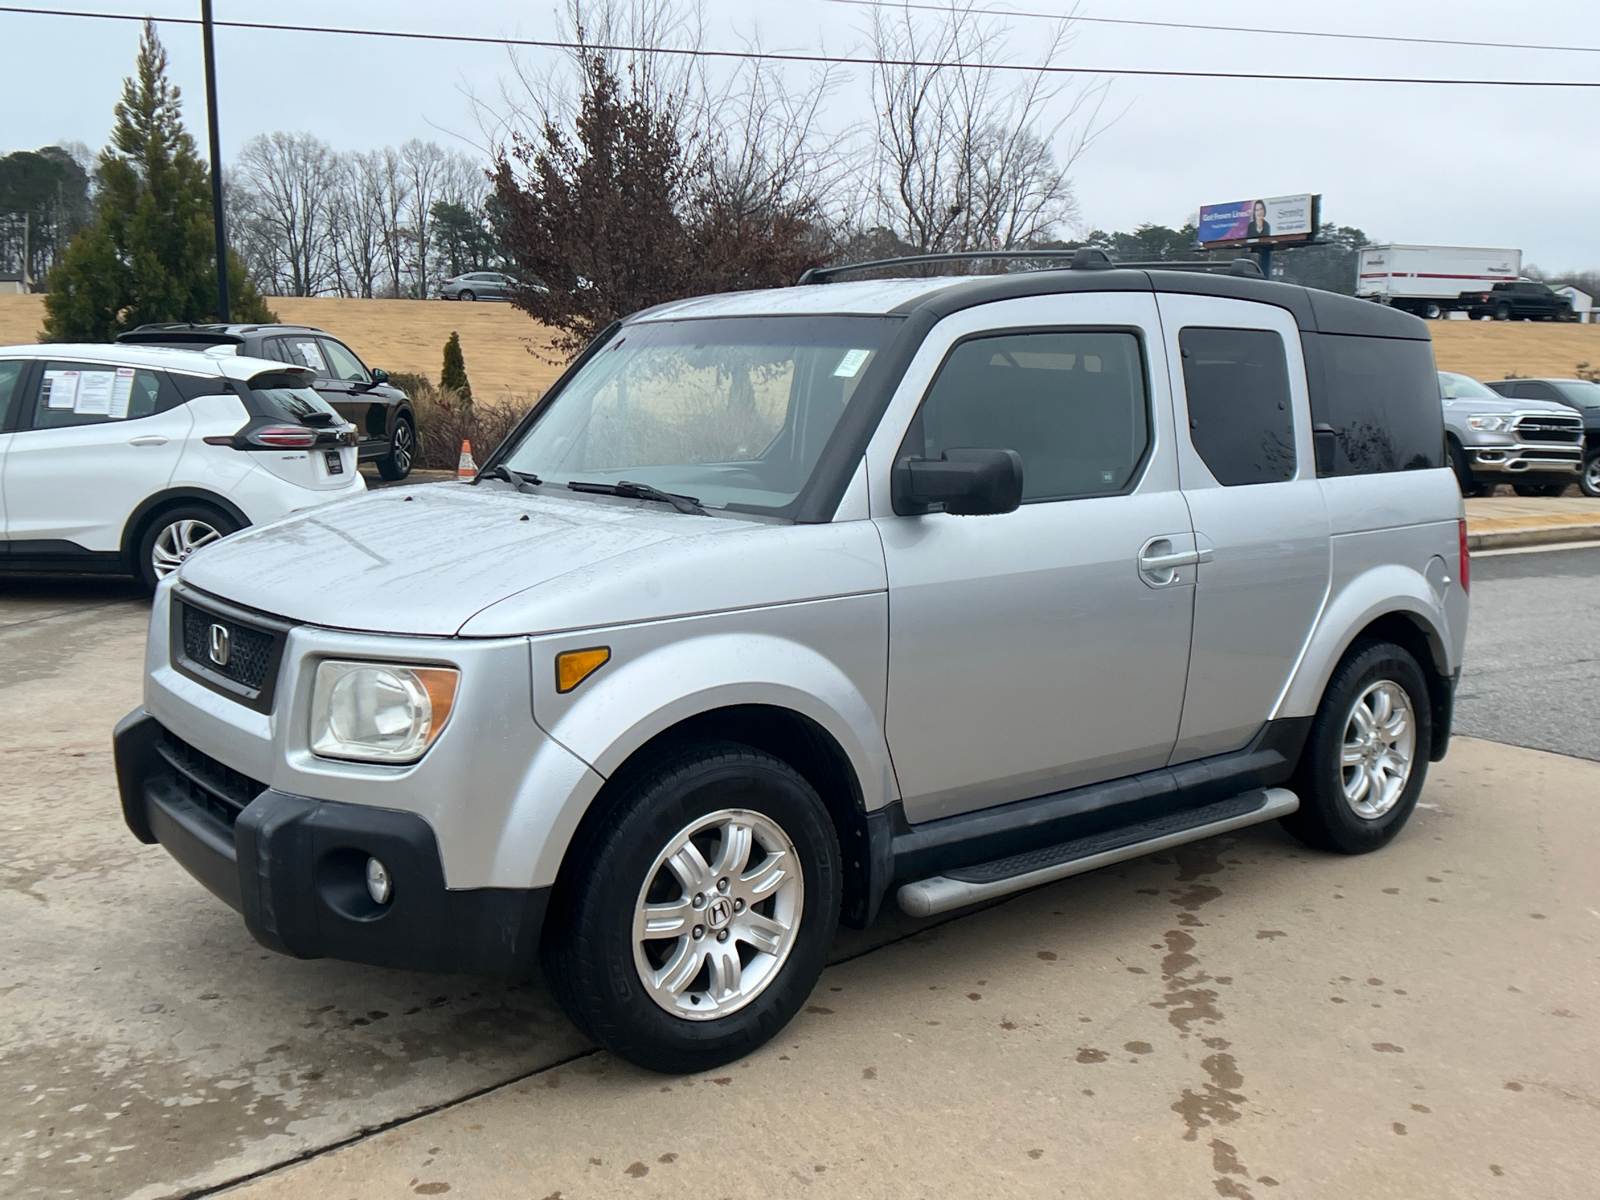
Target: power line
[815, 59]
[1189, 25]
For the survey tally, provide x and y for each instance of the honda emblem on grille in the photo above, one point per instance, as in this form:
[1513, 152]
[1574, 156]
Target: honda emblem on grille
[221, 645]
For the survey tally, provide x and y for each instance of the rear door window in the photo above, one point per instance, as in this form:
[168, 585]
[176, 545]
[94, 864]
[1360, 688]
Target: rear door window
[73, 393]
[303, 351]
[1380, 398]
[1073, 405]
[1240, 420]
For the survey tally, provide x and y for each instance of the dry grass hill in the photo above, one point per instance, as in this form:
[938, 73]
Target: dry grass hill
[507, 352]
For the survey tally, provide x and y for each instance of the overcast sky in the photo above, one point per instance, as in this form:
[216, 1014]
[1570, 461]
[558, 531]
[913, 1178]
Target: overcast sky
[1434, 165]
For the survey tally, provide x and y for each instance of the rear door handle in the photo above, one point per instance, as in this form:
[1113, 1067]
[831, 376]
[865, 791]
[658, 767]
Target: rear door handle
[151, 439]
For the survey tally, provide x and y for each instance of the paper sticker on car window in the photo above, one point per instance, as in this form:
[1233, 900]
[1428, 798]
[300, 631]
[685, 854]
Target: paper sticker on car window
[60, 389]
[851, 363]
[94, 394]
[311, 355]
[121, 393]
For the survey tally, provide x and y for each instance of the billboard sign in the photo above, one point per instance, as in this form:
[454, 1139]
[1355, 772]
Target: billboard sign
[1260, 221]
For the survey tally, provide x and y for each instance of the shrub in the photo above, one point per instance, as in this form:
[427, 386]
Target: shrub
[446, 418]
[454, 375]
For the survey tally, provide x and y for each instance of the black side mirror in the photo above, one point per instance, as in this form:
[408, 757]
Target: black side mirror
[379, 375]
[968, 482]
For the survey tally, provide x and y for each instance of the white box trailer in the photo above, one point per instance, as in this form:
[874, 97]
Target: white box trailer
[1428, 280]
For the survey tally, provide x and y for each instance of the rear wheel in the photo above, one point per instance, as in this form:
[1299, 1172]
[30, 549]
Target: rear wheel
[691, 928]
[174, 535]
[466, 294]
[1432, 312]
[1502, 312]
[1364, 764]
[1589, 481]
[396, 465]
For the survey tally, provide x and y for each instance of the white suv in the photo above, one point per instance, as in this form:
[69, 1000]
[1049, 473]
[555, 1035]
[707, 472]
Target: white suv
[126, 459]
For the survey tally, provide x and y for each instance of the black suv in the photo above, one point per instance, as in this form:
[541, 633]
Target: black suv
[1520, 300]
[379, 410]
[1580, 394]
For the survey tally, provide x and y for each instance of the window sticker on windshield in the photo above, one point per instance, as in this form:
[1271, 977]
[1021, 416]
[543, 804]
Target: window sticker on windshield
[851, 363]
[311, 355]
[94, 394]
[60, 389]
[121, 393]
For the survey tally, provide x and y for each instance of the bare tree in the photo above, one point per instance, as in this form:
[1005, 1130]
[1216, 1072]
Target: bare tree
[358, 223]
[964, 161]
[288, 185]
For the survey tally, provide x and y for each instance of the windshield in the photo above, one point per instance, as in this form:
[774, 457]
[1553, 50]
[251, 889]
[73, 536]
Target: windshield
[1462, 387]
[732, 411]
[1580, 392]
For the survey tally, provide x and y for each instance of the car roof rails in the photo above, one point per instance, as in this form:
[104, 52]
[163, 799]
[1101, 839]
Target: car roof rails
[1085, 258]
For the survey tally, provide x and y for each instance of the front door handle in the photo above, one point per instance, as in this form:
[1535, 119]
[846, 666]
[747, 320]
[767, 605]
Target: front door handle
[151, 439]
[1159, 562]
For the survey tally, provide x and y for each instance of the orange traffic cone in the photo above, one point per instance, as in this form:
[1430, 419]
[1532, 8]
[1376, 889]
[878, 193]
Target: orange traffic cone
[466, 468]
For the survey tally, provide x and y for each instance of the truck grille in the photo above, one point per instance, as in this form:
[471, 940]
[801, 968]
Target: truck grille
[1553, 428]
[207, 784]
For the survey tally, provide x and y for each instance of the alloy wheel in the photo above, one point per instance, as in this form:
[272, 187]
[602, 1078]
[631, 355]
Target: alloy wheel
[718, 914]
[1591, 476]
[179, 540]
[402, 447]
[1380, 744]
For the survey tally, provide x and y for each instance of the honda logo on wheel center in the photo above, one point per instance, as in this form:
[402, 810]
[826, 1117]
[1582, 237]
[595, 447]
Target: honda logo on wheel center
[719, 912]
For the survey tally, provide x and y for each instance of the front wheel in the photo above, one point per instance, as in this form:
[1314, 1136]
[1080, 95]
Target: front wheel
[176, 534]
[396, 465]
[1364, 764]
[1589, 481]
[691, 928]
[1538, 489]
[1463, 472]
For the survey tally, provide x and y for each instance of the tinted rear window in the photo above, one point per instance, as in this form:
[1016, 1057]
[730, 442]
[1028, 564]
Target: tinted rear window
[1237, 385]
[1381, 398]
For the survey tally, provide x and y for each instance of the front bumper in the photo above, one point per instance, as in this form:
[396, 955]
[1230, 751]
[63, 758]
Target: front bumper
[294, 867]
[1527, 458]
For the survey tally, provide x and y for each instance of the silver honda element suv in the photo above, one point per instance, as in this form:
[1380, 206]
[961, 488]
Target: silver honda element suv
[780, 603]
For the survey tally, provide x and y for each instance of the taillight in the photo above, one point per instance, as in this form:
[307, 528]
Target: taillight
[283, 437]
[1464, 571]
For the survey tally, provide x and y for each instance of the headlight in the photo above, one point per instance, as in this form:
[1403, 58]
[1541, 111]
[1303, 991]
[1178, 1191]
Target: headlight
[379, 712]
[1491, 424]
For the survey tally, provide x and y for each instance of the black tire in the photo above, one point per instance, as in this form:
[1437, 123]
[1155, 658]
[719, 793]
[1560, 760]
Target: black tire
[1502, 312]
[1431, 312]
[152, 567]
[466, 294]
[1326, 820]
[1463, 471]
[1589, 481]
[396, 465]
[1538, 489]
[588, 949]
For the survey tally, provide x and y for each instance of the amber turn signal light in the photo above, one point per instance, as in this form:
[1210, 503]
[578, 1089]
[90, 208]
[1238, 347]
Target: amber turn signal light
[574, 666]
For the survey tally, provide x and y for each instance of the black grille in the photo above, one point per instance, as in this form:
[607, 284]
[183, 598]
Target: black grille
[1550, 429]
[206, 783]
[249, 650]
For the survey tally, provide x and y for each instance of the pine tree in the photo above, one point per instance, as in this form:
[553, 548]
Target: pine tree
[149, 254]
[454, 374]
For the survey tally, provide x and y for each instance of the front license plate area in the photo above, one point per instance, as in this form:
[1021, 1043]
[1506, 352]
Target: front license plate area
[335, 463]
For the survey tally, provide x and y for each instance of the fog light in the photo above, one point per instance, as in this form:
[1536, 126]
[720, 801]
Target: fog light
[379, 886]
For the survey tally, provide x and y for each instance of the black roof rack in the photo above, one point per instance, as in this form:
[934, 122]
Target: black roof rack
[1085, 258]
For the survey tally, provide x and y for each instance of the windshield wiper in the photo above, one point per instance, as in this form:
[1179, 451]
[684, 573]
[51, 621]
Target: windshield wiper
[640, 491]
[521, 481]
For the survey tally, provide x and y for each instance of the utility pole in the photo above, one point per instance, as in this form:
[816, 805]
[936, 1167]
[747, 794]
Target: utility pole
[223, 310]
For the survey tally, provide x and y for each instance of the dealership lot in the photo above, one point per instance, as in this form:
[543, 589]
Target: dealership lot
[1189, 1023]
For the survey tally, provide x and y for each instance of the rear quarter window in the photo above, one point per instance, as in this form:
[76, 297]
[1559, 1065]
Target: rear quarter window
[1380, 397]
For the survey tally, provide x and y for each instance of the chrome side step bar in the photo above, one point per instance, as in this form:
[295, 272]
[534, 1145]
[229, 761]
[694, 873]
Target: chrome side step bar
[987, 881]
